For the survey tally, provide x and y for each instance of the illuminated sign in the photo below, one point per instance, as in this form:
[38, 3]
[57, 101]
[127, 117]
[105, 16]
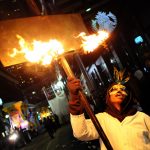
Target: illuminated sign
[104, 21]
[138, 39]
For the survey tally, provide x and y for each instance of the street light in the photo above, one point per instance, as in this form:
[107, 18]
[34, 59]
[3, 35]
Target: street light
[1, 102]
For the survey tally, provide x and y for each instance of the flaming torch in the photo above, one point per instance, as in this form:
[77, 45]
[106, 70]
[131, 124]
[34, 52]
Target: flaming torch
[45, 52]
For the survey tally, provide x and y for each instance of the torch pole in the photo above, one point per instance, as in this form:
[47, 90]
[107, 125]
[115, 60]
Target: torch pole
[86, 105]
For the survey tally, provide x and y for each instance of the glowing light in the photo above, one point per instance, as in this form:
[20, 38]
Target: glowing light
[104, 21]
[13, 137]
[1, 101]
[24, 124]
[91, 42]
[6, 116]
[89, 9]
[138, 39]
[45, 52]
[33, 92]
[38, 51]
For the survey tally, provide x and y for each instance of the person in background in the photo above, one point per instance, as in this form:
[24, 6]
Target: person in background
[57, 123]
[48, 126]
[122, 123]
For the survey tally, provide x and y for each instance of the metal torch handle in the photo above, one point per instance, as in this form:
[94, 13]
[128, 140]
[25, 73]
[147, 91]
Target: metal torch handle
[86, 105]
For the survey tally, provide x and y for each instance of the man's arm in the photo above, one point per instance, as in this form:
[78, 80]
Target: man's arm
[83, 129]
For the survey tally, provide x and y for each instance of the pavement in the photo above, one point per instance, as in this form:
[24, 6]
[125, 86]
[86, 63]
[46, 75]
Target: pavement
[63, 140]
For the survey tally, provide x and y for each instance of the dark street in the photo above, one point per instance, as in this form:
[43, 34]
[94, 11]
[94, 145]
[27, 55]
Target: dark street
[63, 141]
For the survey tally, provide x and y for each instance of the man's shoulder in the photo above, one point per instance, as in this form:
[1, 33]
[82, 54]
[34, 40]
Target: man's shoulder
[142, 113]
[101, 114]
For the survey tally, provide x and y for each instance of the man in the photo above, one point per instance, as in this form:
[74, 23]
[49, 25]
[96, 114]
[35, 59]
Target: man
[125, 127]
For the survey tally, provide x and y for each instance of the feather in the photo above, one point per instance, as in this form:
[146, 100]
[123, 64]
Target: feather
[119, 76]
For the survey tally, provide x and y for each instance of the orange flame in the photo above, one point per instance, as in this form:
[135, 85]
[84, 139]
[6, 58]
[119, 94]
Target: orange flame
[91, 42]
[38, 51]
[45, 52]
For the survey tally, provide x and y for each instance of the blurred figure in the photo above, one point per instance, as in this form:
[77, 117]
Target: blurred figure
[48, 126]
[57, 123]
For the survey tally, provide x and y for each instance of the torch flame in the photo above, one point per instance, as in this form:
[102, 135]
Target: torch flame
[38, 51]
[45, 52]
[91, 42]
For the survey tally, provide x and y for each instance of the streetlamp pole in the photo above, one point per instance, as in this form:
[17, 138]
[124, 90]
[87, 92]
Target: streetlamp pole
[82, 68]
[89, 82]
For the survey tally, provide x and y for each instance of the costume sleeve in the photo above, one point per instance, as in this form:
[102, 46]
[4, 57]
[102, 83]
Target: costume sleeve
[147, 121]
[83, 129]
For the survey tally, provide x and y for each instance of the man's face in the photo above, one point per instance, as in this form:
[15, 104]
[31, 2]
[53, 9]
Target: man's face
[117, 93]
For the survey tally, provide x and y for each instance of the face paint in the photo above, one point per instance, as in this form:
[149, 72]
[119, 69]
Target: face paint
[118, 88]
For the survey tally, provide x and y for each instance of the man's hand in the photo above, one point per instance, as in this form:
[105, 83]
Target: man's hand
[74, 85]
[75, 105]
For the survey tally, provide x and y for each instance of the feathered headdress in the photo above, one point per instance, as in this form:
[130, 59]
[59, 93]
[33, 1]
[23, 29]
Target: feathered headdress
[120, 77]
